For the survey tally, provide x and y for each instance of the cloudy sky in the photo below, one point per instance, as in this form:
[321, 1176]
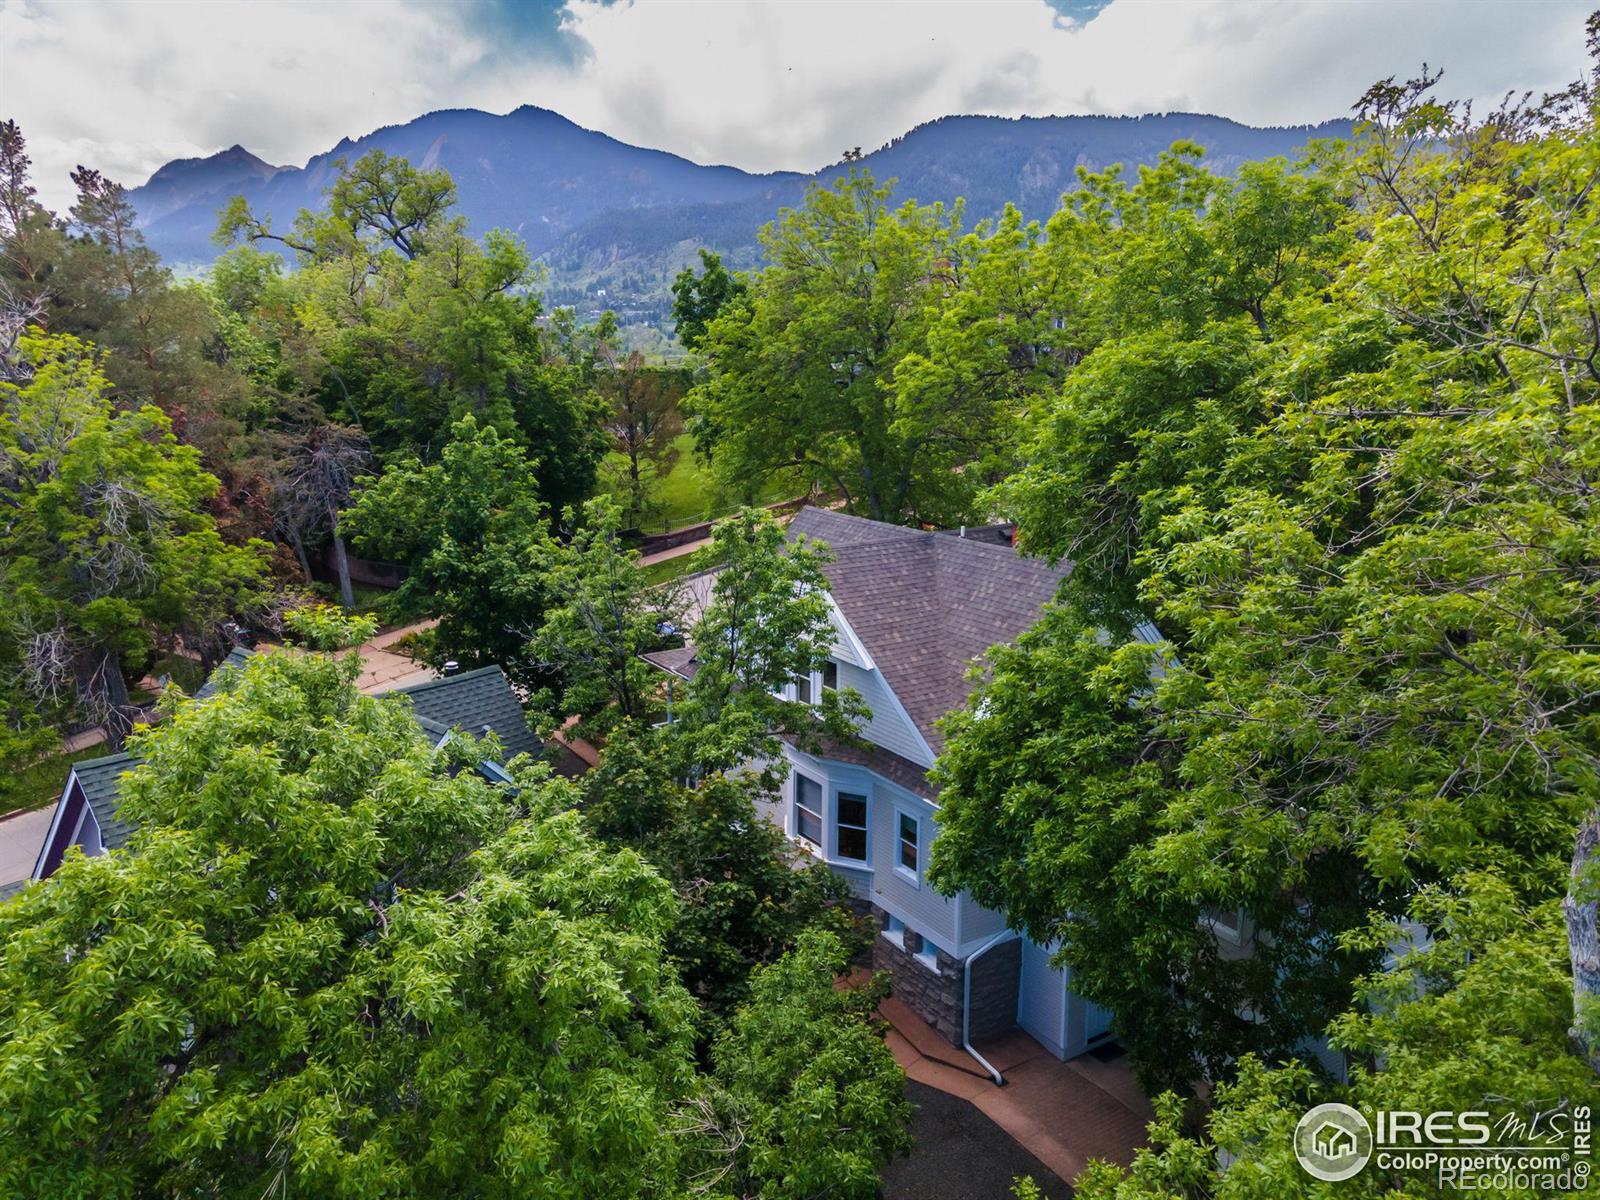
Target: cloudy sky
[762, 84]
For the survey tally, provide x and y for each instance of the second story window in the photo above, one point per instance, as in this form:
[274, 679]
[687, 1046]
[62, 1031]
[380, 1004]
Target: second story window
[802, 689]
[830, 676]
[852, 826]
[808, 810]
[908, 843]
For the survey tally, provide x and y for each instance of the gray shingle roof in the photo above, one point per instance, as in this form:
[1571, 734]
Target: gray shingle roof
[926, 604]
[883, 761]
[680, 661]
[100, 780]
[469, 702]
[237, 657]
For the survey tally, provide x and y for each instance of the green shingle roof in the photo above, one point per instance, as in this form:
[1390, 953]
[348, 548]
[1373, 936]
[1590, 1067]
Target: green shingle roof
[100, 779]
[472, 702]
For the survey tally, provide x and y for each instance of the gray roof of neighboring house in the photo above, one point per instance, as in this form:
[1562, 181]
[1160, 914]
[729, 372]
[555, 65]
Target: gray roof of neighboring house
[926, 604]
[679, 661]
[469, 701]
[473, 701]
[99, 778]
[237, 657]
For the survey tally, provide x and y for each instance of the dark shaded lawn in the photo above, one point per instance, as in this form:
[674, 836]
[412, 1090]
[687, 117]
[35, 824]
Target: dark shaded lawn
[961, 1155]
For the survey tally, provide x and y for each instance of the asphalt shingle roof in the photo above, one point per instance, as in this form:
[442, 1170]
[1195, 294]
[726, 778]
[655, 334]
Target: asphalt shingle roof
[237, 657]
[100, 780]
[471, 702]
[680, 661]
[926, 604]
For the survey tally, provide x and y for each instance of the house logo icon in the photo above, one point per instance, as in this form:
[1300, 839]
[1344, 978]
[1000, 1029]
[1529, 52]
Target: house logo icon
[1332, 1142]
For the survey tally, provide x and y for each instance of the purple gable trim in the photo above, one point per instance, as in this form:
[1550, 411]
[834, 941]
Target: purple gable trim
[69, 810]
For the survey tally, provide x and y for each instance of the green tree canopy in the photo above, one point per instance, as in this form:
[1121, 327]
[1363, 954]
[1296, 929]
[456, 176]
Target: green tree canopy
[1475, 1021]
[475, 538]
[697, 299]
[107, 544]
[334, 959]
[1361, 524]
[416, 324]
[802, 369]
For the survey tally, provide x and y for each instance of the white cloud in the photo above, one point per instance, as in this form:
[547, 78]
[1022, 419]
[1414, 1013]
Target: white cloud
[760, 84]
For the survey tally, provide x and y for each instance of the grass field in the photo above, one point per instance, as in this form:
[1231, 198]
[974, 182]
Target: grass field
[688, 493]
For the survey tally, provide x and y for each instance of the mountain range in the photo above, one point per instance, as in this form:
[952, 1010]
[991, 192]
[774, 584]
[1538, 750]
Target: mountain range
[614, 223]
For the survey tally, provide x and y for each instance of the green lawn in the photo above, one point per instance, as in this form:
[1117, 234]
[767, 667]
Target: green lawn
[40, 783]
[677, 568]
[689, 493]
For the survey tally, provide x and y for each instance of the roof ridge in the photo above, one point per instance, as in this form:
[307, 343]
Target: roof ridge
[412, 689]
[103, 759]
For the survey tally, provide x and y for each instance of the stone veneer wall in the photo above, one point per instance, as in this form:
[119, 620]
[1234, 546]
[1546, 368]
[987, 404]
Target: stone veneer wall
[935, 996]
[996, 978]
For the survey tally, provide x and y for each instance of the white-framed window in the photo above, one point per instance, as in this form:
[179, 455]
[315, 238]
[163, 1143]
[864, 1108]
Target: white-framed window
[808, 810]
[1227, 922]
[895, 930]
[908, 845]
[830, 676]
[928, 956]
[850, 825]
[803, 691]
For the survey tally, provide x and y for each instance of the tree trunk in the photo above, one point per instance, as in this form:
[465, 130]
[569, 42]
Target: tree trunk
[1583, 939]
[119, 713]
[300, 553]
[341, 560]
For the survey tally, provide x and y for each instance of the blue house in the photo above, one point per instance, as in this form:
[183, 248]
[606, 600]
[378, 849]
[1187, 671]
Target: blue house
[911, 610]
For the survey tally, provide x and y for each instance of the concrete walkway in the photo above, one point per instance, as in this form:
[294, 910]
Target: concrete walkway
[382, 669]
[1062, 1113]
[646, 560]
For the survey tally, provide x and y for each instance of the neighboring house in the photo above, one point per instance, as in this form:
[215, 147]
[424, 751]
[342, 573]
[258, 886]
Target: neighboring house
[911, 611]
[475, 702]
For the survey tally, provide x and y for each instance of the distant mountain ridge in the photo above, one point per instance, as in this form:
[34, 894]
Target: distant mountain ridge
[614, 222]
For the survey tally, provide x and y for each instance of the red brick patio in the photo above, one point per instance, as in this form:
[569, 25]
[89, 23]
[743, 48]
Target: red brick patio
[1063, 1113]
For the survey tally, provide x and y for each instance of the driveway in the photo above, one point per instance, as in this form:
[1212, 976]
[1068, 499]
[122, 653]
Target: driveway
[21, 836]
[961, 1155]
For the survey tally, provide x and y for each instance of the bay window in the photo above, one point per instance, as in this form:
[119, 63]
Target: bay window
[808, 810]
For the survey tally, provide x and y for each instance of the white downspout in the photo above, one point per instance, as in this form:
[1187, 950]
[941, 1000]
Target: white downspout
[966, 1004]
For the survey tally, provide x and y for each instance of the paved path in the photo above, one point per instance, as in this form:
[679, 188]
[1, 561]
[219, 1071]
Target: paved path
[1063, 1113]
[646, 560]
[21, 836]
[382, 670]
